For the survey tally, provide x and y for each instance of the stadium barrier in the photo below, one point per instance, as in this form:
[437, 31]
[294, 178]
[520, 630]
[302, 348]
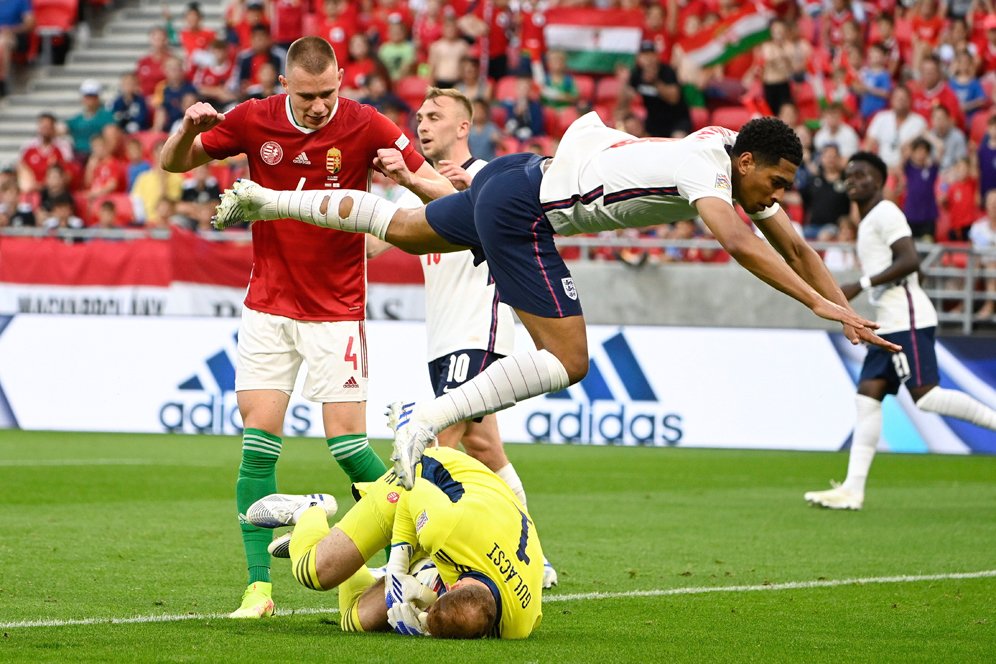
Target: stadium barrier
[659, 386]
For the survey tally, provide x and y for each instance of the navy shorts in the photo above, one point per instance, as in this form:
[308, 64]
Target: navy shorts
[499, 217]
[915, 365]
[454, 369]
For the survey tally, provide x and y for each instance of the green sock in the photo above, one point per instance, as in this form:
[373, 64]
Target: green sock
[257, 478]
[356, 458]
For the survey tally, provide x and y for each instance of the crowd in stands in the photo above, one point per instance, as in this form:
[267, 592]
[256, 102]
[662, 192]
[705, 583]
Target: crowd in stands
[912, 80]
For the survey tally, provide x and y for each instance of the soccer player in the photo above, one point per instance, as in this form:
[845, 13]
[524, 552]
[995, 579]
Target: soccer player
[599, 179]
[890, 262]
[479, 535]
[307, 292]
[468, 328]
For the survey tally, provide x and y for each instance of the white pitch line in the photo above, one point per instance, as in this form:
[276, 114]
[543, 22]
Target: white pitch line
[701, 590]
[28, 463]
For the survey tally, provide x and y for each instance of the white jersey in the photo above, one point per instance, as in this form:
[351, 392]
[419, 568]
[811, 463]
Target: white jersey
[899, 306]
[604, 179]
[462, 310]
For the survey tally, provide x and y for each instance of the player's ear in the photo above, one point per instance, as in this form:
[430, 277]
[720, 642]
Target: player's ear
[744, 163]
[283, 81]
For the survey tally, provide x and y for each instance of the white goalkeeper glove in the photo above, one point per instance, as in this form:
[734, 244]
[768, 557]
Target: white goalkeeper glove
[406, 618]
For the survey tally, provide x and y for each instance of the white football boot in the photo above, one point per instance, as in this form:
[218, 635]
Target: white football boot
[281, 509]
[837, 498]
[411, 437]
[245, 201]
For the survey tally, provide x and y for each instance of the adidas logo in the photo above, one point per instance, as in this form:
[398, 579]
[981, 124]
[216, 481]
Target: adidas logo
[302, 159]
[351, 383]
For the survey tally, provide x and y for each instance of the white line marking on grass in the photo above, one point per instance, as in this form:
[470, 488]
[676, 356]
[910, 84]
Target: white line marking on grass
[663, 592]
[28, 463]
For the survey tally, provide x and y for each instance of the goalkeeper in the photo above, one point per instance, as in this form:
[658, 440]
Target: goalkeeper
[459, 513]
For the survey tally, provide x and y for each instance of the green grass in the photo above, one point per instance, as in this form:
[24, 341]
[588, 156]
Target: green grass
[101, 526]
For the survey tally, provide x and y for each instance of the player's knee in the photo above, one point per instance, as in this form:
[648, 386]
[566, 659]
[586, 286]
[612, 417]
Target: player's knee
[576, 366]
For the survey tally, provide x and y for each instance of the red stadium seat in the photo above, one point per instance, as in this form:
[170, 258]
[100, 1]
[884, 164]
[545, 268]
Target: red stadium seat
[124, 211]
[607, 91]
[586, 87]
[551, 122]
[979, 123]
[700, 117]
[83, 208]
[148, 139]
[731, 117]
[545, 144]
[567, 116]
[508, 145]
[412, 89]
[806, 101]
[499, 115]
[505, 88]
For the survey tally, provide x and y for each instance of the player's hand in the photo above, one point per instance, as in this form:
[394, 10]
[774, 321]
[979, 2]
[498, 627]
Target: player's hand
[851, 290]
[856, 328]
[392, 164]
[200, 117]
[458, 177]
[407, 619]
[866, 335]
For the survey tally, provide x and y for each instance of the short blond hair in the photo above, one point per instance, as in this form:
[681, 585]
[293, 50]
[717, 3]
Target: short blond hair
[312, 54]
[454, 94]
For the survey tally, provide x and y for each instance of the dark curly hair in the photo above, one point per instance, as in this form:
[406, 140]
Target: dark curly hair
[872, 160]
[770, 140]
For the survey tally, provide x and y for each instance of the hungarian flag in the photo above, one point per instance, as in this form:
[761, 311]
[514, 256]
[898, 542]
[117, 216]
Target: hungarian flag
[595, 40]
[722, 41]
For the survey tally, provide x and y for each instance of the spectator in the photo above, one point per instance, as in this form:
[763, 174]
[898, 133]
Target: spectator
[152, 185]
[62, 214]
[249, 61]
[832, 20]
[379, 96]
[874, 83]
[339, 25]
[825, 196]
[165, 215]
[966, 85]
[983, 238]
[559, 89]
[149, 69]
[136, 164]
[484, 134]
[840, 258]
[195, 38]
[172, 93]
[212, 76]
[497, 30]
[55, 184]
[658, 86]
[987, 159]
[885, 35]
[920, 173]
[987, 47]
[14, 211]
[17, 23]
[107, 216]
[932, 89]
[269, 83]
[948, 141]
[385, 13]
[780, 63]
[398, 52]
[241, 23]
[893, 129]
[130, 109]
[471, 83]
[287, 20]
[834, 130]
[446, 55]
[91, 119]
[44, 150]
[200, 188]
[525, 113]
[632, 124]
[104, 174]
[360, 66]
[959, 196]
[427, 28]
[927, 24]
[955, 40]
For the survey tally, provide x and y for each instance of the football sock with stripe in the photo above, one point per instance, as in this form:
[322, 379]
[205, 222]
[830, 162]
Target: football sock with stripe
[257, 478]
[504, 383]
[356, 458]
[312, 527]
[955, 403]
[350, 592]
[511, 478]
[867, 430]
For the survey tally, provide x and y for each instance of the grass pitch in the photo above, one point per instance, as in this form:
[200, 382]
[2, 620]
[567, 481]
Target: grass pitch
[664, 555]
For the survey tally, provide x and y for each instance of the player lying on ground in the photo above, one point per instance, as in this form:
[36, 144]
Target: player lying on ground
[460, 514]
[599, 179]
[890, 264]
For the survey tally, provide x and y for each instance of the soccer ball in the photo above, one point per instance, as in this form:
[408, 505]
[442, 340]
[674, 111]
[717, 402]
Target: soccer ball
[425, 572]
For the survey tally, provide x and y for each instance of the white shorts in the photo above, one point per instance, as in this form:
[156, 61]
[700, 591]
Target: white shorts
[272, 348]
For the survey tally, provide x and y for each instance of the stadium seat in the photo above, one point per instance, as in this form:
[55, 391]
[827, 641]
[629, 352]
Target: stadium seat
[83, 208]
[508, 145]
[412, 89]
[607, 91]
[700, 117]
[545, 144]
[551, 122]
[505, 88]
[311, 24]
[586, 87]
[607, 113]
[806, 101]
[54, 20]
[148, 139]
[499, 115]
[124, 210]
[567, 115]
[978, 129]
[731, 117]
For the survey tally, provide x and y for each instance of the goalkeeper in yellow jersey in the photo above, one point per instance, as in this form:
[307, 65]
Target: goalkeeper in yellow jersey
[458, 513]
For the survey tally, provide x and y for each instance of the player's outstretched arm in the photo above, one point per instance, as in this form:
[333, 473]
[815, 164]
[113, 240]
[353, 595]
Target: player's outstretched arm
[761, 260]
[805, 262]
[183, 150]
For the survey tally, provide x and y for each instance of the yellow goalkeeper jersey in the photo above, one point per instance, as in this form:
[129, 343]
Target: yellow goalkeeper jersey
[472, 525]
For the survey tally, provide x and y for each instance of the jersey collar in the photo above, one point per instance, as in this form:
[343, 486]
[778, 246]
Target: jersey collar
[305, 130]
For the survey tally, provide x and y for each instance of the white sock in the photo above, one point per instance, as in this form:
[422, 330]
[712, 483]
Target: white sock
[504, 383]
[370, 213]
[507, 473]
[957, 404]
[867, 430]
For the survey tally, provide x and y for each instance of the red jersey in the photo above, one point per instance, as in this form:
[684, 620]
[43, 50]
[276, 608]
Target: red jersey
[338, 31]
[149, 72]
[38, 157]
[961, 203]
[196, 40]
[941, 95]
[302, 271]
[928, 29]
[109, 171]
[287, 20]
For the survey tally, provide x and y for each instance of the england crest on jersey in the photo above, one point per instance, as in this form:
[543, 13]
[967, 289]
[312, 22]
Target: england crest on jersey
[569, 288]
